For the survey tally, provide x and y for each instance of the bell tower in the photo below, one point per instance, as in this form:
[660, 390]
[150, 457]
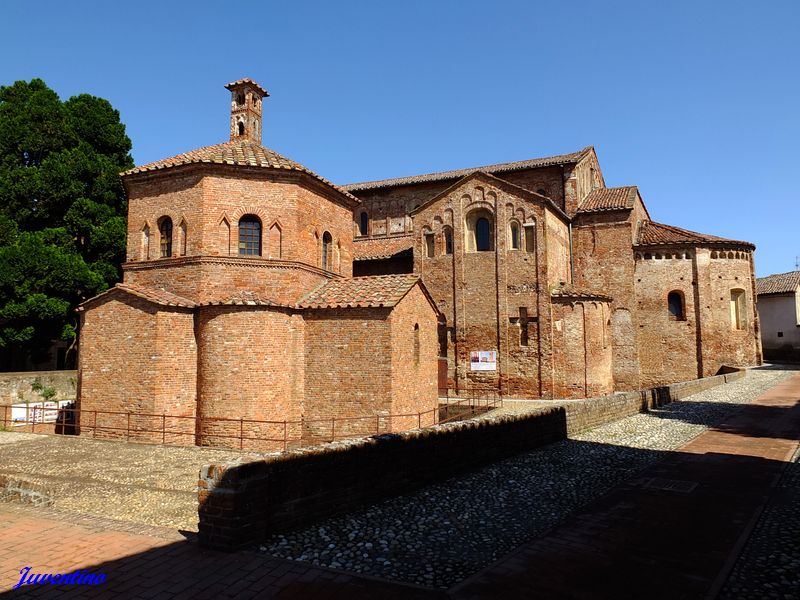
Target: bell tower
[246, 101]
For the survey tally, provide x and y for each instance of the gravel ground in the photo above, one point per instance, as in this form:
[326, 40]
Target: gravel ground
[439, 535]
[155, 485]
[769, 566]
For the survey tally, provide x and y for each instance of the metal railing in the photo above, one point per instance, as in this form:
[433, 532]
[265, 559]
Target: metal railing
[241, 433]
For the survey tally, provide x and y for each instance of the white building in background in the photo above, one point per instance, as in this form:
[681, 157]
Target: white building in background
[779, 312]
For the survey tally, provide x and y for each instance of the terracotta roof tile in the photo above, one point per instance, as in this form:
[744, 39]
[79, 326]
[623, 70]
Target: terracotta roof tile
[651, 233]
[609, 199]
[460, 173]
[248, 81]
[239, 152]
[242, 298]
[376, 291]
[377, 248]
[154, 295]
[782, 283]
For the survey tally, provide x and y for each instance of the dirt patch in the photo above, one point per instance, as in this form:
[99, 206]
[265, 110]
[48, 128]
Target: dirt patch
[154, 485]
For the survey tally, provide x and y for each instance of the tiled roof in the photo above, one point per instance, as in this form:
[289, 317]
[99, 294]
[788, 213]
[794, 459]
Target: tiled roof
[459, 173]
[242, 298]
[377, 248]
[154, 295]
[609, 199]
[782, 283]
[570, 291]
[248, 81]
[376, 291]
[246, 153]
[651, 233]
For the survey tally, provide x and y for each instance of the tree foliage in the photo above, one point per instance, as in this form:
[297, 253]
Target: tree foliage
[62, 212]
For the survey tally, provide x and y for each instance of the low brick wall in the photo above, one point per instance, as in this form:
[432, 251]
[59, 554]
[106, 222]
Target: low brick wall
[16, 387]
[14, 489]
[241, 503]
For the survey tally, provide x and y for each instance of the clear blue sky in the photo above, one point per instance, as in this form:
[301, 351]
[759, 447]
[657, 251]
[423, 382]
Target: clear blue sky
[697, 103]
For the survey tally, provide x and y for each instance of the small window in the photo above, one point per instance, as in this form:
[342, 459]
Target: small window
[429, 245]
[327, 251]
[416, 344]
[184, 232]
[240, 99]
[675, 306]
[541, 192]
[448, 240]
[146, 242]
[738, 309]
[529, 238]
[479, 237]
[514, 234]
[250, 236]
[363, 225]
[241, 128]
[780, 334]
[165, 231]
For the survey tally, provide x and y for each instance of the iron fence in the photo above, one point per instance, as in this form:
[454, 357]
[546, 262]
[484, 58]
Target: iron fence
[241, 433]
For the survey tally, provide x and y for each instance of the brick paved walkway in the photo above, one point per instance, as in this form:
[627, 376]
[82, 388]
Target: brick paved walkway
[643, 542]
[671, 533]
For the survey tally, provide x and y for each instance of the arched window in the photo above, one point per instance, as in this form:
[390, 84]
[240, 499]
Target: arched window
[430, 244]
[479, 231]
[240, 125]
[675, 306]
[416, 344]
[165, 231]
[184, 231]
[250, 235]
[541, 192]
[448, 239]
[363, 224]
[240, 99]
[327, 251]
[146, 242]
[738, 312]
[514, 241]
[530, 233]
[275, 241]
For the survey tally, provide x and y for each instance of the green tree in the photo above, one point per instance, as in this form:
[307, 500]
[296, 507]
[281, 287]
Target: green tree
[62, 212]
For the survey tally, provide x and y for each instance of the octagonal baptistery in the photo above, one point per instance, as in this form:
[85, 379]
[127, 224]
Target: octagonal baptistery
[233, 236]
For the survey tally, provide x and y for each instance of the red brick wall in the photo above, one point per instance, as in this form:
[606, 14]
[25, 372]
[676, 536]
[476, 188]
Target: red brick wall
[216, 278]
[414, 371]
[250, 366]
[581, 349]
[604, 262]
[140, 358]
[667, 347]
[348, 368]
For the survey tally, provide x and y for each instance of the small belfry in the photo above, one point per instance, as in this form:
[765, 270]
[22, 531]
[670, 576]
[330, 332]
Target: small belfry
[246, 100]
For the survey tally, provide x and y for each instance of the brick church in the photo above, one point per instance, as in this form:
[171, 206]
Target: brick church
[256, 289]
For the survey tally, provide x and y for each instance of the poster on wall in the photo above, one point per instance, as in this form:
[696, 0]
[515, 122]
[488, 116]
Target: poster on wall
[483, 360]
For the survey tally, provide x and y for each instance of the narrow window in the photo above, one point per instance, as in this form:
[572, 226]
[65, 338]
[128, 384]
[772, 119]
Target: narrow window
[514, 231]
[225, 232]
[241, 128]
[363, 225]
[541, 192]
[448, 240]
[529, 238]
[250, 236]
[327, 251]
[275, 241]
[523, 326]
[184, 229]
[675, 306]
[165, 230]
[738, 309]
[442, 332]
[146, 242]
[482, 234]
[416, 344]
[429, 245]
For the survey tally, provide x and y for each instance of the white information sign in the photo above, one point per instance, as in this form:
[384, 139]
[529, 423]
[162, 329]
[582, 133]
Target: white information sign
[483, 360]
